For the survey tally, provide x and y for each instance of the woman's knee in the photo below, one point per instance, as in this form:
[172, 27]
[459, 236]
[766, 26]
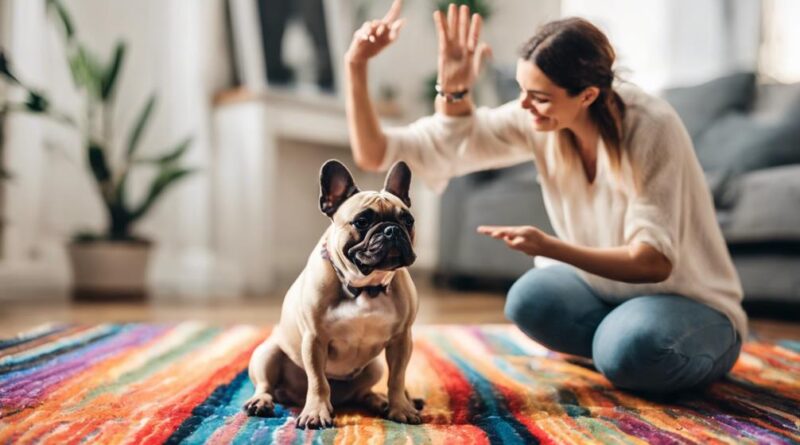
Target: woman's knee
[638, 351]
[634, 358]
[532, 296]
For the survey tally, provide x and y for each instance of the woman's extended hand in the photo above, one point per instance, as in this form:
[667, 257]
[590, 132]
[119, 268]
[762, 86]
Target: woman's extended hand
[460, 54]
[375, 35]
[526, 239]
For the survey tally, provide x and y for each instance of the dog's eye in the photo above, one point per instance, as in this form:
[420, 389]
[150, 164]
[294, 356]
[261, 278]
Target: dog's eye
[361, 223]
[407, 219]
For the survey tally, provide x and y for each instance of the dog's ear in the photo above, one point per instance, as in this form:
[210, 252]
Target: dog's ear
[398, 181]
[336, 185]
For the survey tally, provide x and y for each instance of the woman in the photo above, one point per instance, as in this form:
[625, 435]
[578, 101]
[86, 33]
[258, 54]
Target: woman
[646, 287]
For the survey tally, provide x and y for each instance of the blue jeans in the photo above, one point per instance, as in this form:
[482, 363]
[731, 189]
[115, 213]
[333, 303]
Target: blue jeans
[651, 344]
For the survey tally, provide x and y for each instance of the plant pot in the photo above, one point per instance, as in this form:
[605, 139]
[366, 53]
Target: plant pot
[109, 270]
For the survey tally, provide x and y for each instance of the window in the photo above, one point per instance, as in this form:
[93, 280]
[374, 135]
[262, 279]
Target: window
[780, 41]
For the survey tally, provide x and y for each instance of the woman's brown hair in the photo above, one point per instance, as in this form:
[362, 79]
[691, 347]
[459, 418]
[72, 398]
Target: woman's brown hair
[575, 55]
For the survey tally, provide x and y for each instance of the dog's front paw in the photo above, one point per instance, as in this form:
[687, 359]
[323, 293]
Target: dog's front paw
[260, 405]
[316, 415]
[404, 412]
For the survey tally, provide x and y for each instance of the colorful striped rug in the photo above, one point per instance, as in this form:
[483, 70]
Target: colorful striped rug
[185, 383]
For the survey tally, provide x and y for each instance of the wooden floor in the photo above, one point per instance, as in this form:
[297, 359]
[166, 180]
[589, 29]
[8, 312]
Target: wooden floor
[437, 306]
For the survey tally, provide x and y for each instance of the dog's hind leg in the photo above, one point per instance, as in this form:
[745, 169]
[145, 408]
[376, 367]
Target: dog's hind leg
[359, 390]
[264, 372]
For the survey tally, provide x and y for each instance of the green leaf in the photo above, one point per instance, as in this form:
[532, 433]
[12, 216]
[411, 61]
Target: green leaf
[86, 72]
[77, 69]
[168, 176]
[111, 73]
[97, 161]
[144, 116]
[63, 15]
[94, 72]
[172, 156]
[119, 191]
[5, 67]
[36, 103]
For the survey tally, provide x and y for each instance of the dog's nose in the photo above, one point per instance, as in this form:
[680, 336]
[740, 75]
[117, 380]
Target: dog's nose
[390, 231]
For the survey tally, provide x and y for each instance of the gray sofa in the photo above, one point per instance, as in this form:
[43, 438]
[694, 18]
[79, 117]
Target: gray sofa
[747, 138]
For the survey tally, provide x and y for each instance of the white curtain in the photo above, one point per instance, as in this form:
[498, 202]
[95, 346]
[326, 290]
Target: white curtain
[780, 50]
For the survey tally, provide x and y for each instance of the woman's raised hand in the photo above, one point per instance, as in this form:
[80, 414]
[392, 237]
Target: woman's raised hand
[460, 53]
[375, 35]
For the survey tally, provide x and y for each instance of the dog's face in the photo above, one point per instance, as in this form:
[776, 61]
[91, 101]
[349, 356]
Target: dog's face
[371, 230]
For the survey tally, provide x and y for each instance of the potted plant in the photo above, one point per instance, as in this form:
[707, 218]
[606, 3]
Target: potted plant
[113, 263]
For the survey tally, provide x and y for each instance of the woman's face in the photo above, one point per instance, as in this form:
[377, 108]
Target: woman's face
[550, 106]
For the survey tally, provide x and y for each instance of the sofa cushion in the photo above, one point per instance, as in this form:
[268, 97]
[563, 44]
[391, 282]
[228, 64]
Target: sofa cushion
[741, 141]
[720, 145]
[764, 207]
[700, 105]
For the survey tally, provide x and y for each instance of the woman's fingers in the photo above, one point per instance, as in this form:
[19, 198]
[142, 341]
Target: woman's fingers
[508, 229]
[394, 11]
[441, 29]
[394, 29]
[363, 32]
[376, 30]
[452, 22]
[501, 232]
[516, 241]
[474, 32]
[463, 25]
[482, 53]
[494, 231]
[373, 27]
[485, 230]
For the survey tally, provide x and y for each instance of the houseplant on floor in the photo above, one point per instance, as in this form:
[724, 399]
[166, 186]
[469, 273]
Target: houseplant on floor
[113, 264]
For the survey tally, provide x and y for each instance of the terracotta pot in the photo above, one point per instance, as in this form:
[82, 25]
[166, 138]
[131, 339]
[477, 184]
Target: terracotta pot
[109, 270]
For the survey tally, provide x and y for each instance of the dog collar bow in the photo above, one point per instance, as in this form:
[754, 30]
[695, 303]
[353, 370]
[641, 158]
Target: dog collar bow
[352, 291]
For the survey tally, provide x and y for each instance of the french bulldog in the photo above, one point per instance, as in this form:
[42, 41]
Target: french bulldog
[354, 299]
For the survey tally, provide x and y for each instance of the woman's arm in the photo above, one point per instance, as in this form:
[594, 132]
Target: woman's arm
[367, 138]
[636, 263]
[460, 57]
